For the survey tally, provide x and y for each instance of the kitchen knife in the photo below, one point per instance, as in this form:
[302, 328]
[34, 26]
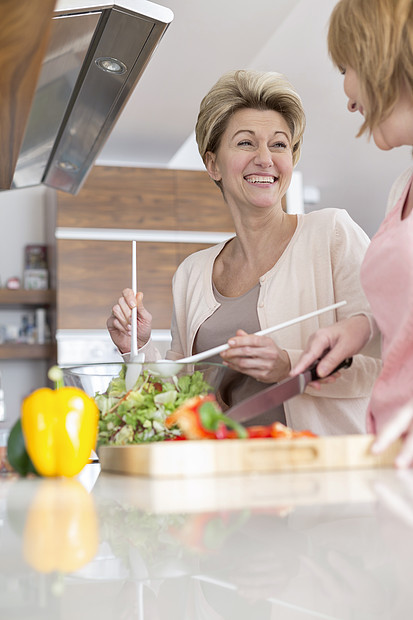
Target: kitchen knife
[275, 395]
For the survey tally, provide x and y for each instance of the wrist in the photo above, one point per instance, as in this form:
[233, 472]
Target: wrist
[361, 324]
[287, 366]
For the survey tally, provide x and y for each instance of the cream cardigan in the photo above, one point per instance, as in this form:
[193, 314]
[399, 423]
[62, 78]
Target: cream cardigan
[319, 267]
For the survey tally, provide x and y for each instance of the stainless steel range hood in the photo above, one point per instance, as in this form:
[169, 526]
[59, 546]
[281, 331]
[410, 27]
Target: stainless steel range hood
[96, 55]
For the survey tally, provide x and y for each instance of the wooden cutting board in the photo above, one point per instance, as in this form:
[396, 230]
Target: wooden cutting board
[172, 459]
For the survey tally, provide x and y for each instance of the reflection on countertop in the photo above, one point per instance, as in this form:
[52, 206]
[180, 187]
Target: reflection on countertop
[332, 545]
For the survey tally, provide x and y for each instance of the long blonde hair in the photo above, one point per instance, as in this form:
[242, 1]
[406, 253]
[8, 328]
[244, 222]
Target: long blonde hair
[375, 39]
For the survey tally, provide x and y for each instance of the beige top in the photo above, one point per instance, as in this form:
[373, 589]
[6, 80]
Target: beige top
[236, 386]
[319, 267]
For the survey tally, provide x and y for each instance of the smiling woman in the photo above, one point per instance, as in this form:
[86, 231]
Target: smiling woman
[278, 266]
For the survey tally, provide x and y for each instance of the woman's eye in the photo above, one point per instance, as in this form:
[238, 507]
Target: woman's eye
[342, 70]
[245, 143]
[280, 145]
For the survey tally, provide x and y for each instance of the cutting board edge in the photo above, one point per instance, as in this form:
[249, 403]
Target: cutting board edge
[226, 457]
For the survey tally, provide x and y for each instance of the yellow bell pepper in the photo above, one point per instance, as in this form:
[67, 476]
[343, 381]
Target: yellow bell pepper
[60, 429]
[61, 531]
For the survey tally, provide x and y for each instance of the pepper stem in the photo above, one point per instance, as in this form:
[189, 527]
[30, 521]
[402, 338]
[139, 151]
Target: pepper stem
[55, 374]
[242, 432]
[211, 417]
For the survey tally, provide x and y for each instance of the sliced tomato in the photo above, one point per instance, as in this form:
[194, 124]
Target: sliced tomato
[304, 434]
[186, 417]
[255, 432]
[279, 430]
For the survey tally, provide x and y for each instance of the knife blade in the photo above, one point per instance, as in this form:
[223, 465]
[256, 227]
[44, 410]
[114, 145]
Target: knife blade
[277, 394]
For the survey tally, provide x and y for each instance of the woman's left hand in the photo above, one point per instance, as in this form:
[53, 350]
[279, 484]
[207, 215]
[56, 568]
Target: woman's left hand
[257, 356]
[400, 425]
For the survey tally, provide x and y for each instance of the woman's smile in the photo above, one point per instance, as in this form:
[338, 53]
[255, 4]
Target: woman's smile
[266, 179]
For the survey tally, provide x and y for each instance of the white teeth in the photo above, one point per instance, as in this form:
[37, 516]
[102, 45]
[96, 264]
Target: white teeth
[259, 179]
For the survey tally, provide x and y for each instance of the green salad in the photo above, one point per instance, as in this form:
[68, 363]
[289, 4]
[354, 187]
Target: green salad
[139, 415]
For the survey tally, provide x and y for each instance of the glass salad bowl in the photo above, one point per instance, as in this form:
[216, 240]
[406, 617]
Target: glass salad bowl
[137, 415]
[95, 378]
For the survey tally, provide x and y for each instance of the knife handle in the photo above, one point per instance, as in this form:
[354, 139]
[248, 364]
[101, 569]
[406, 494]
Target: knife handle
[313, 368]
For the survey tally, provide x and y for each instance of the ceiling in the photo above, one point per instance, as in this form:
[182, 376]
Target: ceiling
[210, 37]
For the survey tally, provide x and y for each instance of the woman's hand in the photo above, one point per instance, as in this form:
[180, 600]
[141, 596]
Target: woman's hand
[118, 323]
[343, 339]
[257, 356]
[400, 425]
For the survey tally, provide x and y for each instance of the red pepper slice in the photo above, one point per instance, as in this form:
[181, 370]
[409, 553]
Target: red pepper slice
[186, 417]
[200, 417]
[256, 432]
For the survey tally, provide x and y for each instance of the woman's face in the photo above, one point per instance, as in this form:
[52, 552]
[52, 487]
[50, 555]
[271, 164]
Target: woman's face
[395, 129]
[254, 159]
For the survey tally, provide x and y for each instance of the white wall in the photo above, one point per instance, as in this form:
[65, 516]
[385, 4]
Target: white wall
[22, 222]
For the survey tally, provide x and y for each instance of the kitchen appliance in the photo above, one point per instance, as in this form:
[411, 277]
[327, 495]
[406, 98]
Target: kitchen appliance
[96, 54]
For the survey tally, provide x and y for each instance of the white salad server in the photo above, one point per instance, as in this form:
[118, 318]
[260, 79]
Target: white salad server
[136, 360]
[170, 367]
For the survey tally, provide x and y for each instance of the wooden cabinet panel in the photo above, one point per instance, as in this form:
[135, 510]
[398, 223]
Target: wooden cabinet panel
[25, 29]
[19, 351]
[199, 203]
[145, 198]
[27, 297]
[121, 198]
[185, 249]
[92, 275]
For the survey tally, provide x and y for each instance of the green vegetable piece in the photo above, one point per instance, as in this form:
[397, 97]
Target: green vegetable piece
[139, 415]
[211, 418]
[16, 452]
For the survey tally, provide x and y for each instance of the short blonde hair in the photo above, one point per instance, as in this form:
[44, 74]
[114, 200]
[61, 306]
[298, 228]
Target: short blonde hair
[375, 39]
[242, 89]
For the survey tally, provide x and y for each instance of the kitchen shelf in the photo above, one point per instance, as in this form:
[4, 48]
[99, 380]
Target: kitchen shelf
[12, 299]
[30, 297]
[17, 350]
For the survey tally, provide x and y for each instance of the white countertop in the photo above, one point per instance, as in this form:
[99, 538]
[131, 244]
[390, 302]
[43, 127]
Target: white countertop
[332, 545]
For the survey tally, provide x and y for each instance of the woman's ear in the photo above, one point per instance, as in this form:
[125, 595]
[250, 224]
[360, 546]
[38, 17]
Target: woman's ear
[211, 166]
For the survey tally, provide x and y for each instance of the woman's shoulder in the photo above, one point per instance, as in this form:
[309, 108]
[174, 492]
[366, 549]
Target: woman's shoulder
[335, 224]
[328, 216]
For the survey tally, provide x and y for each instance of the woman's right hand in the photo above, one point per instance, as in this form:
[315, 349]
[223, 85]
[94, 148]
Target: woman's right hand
[118, 323]
[343, 339]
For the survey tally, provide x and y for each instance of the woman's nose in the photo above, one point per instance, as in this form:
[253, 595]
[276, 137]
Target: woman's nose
[263, 157]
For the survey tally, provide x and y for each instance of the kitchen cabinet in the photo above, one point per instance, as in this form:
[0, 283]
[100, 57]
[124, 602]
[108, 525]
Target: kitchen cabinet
[21, 299]
[25, 29]
[171, 214]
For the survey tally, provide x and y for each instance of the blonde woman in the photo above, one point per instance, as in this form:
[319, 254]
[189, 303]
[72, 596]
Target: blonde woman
[371, 42]
[278, 266]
